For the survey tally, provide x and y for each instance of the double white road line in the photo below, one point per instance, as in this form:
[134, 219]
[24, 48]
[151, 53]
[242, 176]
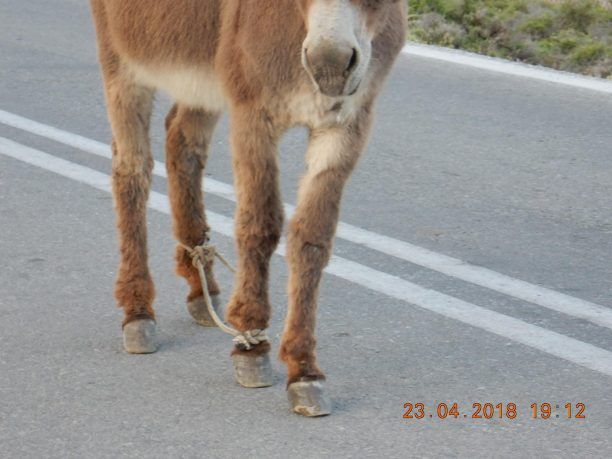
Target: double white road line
[553, 343]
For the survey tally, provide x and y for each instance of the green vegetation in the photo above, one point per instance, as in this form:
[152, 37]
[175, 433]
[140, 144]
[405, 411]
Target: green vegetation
[572, 35]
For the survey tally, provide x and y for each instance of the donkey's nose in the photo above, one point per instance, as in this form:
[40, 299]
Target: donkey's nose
[330, 65]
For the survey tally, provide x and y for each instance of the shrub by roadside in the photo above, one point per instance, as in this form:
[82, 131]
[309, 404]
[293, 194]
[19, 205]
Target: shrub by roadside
[571, 35]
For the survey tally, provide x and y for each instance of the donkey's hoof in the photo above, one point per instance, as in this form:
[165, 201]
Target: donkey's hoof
[198, 310]
[252, 371]
[308, 398]
[139, 336]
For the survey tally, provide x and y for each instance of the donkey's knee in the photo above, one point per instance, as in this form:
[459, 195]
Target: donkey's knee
[132, 170]
[260, 242]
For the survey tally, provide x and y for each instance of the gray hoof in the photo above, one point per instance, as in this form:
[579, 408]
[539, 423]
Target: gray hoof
[252, 371]
[198, 310]
[139, 336]
[308, 398]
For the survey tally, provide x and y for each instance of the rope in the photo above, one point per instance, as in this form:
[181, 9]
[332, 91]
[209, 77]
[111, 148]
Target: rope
[200, 256]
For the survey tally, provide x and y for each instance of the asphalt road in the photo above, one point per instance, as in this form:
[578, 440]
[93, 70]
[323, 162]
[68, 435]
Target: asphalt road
[502, 172]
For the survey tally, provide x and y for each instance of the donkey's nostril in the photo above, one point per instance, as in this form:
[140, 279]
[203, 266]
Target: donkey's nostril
[352, 62]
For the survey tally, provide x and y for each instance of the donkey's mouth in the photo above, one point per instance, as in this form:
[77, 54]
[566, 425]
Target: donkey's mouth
[335, 87]
[330, 85]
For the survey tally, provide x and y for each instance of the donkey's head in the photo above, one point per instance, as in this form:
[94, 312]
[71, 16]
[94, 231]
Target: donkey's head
[338, 46]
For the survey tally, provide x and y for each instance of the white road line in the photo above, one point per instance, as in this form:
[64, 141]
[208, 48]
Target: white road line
[420, 256]
[552, 343]
[507, 67]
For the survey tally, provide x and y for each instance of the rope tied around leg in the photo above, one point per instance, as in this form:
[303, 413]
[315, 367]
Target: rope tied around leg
[200, 256]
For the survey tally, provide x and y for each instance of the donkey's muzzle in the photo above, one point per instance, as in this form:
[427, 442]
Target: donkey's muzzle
[330, 66]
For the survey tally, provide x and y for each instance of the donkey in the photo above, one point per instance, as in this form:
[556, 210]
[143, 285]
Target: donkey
[272, 64]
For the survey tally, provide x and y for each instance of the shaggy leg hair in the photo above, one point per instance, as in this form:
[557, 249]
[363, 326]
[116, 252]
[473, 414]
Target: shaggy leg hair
[130, 110]
[259, 218]
[189, 135]
[331, 157]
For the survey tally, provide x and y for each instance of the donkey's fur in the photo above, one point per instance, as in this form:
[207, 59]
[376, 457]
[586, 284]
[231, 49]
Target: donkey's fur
[247, 56]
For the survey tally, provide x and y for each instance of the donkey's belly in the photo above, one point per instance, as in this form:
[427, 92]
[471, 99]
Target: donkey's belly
[196, 87]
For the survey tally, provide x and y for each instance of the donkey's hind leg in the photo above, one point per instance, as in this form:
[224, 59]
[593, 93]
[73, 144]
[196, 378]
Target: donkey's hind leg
[189, 134]
[129, 109]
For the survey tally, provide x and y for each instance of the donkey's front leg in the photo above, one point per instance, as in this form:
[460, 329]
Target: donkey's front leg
[258, 228]
[332, 154]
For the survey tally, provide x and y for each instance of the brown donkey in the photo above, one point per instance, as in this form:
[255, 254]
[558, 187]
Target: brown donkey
[273, 64]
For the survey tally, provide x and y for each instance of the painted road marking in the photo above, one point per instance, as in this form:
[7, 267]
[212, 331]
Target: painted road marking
[497, 65]
[550, 342]
[411, 253]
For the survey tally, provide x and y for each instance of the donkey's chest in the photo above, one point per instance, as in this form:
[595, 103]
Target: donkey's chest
[315, 110]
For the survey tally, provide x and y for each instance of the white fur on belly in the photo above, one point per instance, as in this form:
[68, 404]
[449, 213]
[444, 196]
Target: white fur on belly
[191, 86]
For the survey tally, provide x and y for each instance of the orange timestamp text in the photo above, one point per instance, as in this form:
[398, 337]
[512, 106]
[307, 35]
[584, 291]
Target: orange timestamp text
[492, 410]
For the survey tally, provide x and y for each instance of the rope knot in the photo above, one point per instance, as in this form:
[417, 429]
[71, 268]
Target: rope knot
[202, 255]
[246, 340]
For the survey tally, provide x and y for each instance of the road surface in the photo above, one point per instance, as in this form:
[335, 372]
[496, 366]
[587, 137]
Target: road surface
[472, 266]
